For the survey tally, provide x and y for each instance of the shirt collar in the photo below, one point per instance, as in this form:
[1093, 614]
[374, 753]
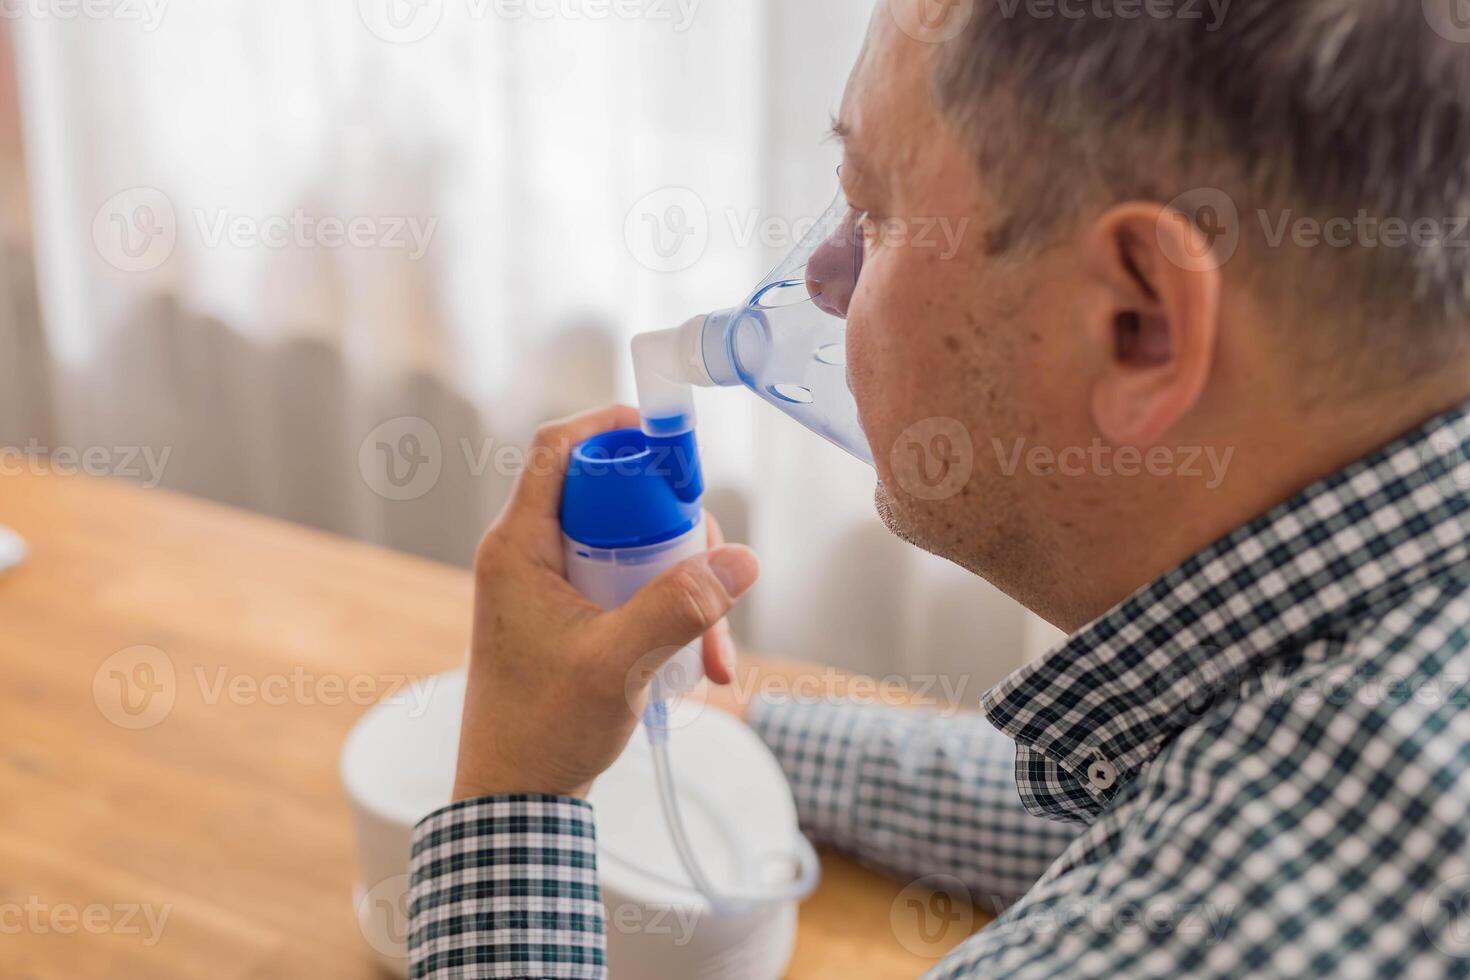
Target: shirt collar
[1089, 715]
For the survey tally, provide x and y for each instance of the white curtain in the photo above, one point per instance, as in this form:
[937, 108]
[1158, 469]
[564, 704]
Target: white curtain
[292, 242]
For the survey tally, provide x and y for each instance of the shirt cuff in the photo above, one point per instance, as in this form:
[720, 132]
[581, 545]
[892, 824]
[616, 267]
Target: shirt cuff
[506, 886]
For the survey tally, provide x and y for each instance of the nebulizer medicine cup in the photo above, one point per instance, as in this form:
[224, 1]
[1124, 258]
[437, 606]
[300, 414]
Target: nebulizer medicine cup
[631, 507]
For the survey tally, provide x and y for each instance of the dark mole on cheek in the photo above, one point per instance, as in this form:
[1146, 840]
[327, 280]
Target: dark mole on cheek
[952, 344]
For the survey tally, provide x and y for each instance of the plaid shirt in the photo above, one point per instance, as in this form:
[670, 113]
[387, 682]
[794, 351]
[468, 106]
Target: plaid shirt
[1260, 759]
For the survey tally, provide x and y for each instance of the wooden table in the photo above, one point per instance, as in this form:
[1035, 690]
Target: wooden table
[225, 813]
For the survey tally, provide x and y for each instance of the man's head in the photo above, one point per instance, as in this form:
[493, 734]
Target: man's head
[1136, 271]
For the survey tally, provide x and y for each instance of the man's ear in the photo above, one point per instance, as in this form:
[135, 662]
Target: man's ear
[1153, 320]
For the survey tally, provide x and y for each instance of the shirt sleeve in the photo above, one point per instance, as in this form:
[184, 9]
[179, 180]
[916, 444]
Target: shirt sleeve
[914, 792]
[506, 886]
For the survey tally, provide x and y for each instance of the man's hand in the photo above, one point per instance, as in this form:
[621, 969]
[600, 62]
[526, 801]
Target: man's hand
[556, 684]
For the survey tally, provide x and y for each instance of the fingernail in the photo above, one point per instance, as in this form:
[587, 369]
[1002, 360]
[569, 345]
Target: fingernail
[736, 568]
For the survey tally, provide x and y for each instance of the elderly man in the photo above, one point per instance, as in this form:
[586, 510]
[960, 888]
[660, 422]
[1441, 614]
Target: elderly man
[1231, 237]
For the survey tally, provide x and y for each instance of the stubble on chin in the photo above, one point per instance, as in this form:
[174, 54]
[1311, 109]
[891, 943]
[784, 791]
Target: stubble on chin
[899, 524]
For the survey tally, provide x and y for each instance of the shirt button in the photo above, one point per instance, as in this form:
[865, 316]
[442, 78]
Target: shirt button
[1102, 776]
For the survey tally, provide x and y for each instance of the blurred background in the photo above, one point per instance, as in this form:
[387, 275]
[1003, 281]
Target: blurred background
[334, 261]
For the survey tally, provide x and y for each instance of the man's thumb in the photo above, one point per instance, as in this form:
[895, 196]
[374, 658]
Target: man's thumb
[686, 601]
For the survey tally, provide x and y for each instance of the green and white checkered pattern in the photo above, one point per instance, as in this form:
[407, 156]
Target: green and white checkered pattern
[507, 887]
[1262, 761]
[913, 793]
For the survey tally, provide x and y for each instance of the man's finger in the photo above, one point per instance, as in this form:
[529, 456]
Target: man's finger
[682, 604]
[718, 648]
[718, 652]
[537, 491]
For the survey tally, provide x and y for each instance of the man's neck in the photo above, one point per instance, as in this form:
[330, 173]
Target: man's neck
[1281, 456]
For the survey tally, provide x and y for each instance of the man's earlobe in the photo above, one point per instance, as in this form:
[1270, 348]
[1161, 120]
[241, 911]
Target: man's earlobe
[1154, 321]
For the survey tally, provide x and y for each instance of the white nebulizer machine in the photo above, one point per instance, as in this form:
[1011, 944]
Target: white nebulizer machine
[632, 503]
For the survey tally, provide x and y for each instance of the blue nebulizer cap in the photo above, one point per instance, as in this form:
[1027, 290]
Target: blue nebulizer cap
[626, 489]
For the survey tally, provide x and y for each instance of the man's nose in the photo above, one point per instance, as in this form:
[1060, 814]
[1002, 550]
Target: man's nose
[832, 272]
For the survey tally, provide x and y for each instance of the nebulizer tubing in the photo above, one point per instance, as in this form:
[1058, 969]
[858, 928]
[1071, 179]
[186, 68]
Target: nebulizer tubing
[723, 901]
[667, 364]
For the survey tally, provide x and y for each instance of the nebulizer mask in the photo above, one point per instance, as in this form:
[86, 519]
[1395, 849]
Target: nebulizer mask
[786, 342]
[632, 503]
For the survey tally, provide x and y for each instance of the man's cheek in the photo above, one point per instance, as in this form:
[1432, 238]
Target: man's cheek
[861, 363]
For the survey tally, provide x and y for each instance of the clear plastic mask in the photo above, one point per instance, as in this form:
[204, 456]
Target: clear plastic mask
[788, 342]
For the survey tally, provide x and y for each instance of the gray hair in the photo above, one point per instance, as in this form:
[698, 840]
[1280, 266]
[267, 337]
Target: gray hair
[1310, 108]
